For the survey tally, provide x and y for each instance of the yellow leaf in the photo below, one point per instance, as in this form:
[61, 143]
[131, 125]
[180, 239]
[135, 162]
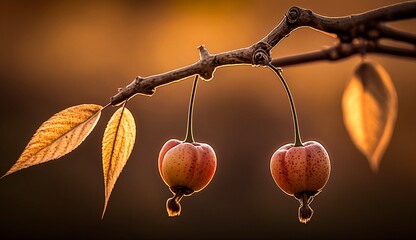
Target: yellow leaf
[118, 142]
[59, 135]
[369, 106]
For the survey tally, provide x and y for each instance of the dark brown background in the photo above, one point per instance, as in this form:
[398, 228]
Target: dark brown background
[54, 55]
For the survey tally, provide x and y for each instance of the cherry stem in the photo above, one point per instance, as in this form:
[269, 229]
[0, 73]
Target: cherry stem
[298, 141]
[189, 131]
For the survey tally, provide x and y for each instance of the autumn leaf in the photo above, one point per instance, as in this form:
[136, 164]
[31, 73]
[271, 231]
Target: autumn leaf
[59, 135]
[118, 142]
[369, 106]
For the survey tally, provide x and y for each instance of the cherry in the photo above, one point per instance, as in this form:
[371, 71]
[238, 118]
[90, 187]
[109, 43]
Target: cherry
[300, 169]
[186, 166]
[302, 172]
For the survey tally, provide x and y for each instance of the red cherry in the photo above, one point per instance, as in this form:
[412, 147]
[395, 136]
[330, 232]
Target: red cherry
[186, 168]
[300, 169]
[302, 172]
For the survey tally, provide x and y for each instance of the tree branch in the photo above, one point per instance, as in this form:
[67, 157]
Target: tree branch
[343, 50]
[368, 26]
[346, 28]
[396, 34]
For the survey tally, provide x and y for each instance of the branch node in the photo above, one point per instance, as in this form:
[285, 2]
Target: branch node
[203, 52]
[206, 75]
[207, 70]
[293, 14]
[260, 58]
[138, 79]
[208, 63]
[145, 90]
[262, 54]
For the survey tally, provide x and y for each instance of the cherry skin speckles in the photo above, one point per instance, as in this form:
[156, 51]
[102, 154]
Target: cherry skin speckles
[186, 168]
[301, 172]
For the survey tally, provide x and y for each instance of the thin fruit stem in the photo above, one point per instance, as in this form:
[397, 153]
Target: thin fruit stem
[298, 141]
[189, 131]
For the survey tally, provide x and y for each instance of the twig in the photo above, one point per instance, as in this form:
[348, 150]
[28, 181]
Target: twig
[367, 26]
[341, 51]
[396, 34]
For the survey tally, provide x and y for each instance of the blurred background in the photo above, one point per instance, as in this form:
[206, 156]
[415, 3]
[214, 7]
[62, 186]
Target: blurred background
[56, 54]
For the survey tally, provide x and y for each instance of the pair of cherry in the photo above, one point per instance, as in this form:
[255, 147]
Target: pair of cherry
[299, 169]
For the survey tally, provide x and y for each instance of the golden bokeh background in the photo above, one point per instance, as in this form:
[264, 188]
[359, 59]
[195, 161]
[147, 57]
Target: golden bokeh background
[56, 54]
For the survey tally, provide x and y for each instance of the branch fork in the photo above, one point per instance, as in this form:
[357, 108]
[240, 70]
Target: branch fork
[369, 26]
